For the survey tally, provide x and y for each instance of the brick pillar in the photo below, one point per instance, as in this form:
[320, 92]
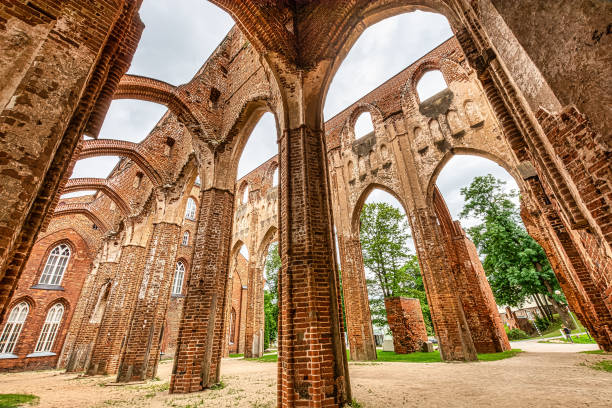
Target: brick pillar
[111, 336]
[312, 369]
[79, 354]
[450, 324]
[405, 320]
[356, 303]
[253, 335]
[242, 326]
[488, 333]
[200, 337]
[477, 299]
[254, 330]
[141, 352]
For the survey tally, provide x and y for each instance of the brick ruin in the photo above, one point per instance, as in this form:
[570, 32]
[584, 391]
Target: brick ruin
[509, 99]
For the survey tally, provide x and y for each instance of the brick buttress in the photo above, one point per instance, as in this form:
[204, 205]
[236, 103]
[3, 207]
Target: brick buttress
[141, 353]
[356, 304]
[201, 333]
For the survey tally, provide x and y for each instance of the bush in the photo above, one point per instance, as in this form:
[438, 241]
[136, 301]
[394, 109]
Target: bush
[517, 334]
[542, 323]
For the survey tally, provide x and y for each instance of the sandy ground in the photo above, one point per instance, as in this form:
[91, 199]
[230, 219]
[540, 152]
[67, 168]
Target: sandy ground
[544, 376]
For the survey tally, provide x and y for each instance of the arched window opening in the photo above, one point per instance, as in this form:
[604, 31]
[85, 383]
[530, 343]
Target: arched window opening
[363, 125]
[232, 335]
[49, 330]
[98, 313]
[430, 84]
[179, 274]
[190, 209]
[13, 327]
[383, 50]
[261, 145]
[245, 195]
[275, 177]
[185, 238]
[56, 264]
[350, 168]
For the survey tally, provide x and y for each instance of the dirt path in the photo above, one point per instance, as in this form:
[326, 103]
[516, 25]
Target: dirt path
[532, 379]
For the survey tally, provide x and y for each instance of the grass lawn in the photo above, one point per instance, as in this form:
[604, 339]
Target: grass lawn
[581, 339]
[553, 330]
[594, 352]
[605, 365]
[17, 400]
[418, 357]
[236, 355]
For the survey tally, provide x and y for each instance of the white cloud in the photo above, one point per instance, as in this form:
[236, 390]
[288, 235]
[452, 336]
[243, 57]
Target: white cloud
[261, 145]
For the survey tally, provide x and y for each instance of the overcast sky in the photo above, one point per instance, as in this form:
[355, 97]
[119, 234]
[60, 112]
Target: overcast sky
[181, 34]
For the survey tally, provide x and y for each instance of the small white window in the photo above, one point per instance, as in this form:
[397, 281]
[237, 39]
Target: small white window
[49, 330]
[245, 195]
[185, 238]
[431, 83]
[56, 265]
[190, 210]
[13, 327]
[275, 178]
[179, 274]
[363, 125]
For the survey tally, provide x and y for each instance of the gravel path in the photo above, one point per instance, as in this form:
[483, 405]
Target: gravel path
[544, 376]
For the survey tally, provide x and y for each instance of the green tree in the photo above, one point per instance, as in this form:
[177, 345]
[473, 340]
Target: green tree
[515, 265]
[272, 266]
[384, 235]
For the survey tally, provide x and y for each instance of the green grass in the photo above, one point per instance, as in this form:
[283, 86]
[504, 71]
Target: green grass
[236, 355]
[580, 339]
[593, 352]
[17, 400]
[605, 365]
[417, 357]
[498, 356]
[553, 329]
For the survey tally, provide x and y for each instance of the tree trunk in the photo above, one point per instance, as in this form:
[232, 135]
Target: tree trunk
[539, 304]
[560, 308]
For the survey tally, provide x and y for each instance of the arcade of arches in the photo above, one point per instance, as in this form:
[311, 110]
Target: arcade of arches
[150, 262]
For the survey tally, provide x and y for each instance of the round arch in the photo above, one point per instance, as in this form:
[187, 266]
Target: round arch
[264, 245]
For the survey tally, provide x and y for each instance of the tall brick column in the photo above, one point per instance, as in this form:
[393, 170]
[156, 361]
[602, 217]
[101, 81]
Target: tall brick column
[443, 295]
[406, 322]
[141, 353]
[201, 333]
[117, 315]
[356, 304]
[312, 369]
[83, 331]
[477, 299]
[254, 330]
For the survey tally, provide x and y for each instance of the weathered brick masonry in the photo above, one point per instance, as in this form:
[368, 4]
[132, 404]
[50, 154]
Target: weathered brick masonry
[507, 100]
[406, 323]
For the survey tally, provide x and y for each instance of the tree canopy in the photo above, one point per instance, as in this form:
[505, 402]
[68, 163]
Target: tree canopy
[515, 265]
[393, 269]
[272, 266]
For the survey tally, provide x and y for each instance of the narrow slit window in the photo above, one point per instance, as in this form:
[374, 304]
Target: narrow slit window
[179, 274]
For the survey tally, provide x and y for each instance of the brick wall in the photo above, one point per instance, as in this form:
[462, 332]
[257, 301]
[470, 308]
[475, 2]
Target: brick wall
[406, 323]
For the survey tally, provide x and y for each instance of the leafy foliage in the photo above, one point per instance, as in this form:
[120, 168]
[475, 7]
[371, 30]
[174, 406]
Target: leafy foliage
[272, 266]
[515, 265]
[517, 334]
[394, 271]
